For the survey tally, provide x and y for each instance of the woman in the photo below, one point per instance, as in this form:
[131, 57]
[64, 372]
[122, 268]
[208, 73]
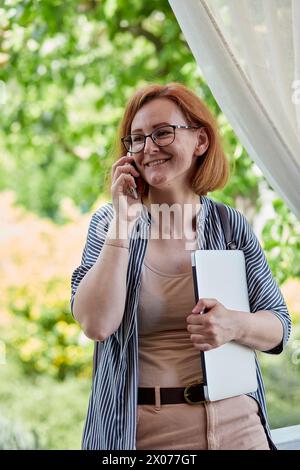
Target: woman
[133, 292]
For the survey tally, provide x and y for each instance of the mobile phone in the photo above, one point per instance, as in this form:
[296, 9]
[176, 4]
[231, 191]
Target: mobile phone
[138, 181]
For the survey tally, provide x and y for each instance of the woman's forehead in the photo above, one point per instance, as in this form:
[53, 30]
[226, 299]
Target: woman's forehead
[156, 112]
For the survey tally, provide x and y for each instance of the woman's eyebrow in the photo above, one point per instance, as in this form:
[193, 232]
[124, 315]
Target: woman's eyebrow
[155, 125]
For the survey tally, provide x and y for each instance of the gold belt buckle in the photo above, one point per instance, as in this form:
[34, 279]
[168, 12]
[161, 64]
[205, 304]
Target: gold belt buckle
[187, 392]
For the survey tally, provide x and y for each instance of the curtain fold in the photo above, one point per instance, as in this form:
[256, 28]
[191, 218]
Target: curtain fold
[249, 53]
[296, 35]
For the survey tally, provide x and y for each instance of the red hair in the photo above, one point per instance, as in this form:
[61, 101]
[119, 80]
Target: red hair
[213, 170]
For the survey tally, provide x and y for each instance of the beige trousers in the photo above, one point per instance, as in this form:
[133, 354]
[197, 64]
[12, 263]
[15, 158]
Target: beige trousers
[231, 424]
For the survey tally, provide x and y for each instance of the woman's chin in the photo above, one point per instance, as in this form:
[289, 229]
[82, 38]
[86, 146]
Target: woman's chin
[157, 179]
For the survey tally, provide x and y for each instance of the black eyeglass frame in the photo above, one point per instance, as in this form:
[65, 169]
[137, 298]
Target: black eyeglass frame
[174, 126]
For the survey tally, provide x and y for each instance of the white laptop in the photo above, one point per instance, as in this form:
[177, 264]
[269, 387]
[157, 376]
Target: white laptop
[230, 369]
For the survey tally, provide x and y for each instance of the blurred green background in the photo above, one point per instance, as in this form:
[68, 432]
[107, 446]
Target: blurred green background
[67, 68]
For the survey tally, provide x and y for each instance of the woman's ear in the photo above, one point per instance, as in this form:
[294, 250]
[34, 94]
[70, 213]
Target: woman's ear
[202, 143]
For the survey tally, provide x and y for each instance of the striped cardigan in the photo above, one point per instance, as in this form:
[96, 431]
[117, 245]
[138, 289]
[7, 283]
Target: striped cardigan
[112, 412]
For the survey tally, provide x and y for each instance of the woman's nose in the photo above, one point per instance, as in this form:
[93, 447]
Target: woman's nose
[150, 146]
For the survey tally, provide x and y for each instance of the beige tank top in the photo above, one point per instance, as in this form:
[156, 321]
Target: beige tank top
[167, 357]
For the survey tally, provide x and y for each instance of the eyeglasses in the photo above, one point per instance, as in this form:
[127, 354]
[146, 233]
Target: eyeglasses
[162, 136]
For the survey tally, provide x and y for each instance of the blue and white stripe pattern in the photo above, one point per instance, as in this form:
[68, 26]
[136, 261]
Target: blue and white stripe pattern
[112, 411]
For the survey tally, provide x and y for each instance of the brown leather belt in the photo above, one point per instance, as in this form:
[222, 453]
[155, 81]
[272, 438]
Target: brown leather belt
[193, 394]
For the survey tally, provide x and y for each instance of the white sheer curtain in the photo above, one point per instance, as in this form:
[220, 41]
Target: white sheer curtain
[249, 53]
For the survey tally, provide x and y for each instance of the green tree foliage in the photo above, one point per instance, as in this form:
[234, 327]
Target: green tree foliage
[282, 242]
[40, 412]
[45, 339]
[13, 436]
[69, 67]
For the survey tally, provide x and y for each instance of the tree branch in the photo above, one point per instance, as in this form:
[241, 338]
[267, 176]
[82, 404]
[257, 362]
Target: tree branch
[137, 30]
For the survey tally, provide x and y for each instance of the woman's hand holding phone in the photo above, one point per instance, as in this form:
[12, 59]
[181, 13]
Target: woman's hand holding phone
[125, 198]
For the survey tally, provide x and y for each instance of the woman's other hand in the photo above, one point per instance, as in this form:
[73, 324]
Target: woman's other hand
[212, 329]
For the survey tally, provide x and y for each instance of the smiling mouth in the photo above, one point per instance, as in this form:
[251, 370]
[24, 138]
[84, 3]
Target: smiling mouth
[157, 163]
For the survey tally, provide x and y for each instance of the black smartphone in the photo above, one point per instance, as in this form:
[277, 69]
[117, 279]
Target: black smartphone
[138, 181]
